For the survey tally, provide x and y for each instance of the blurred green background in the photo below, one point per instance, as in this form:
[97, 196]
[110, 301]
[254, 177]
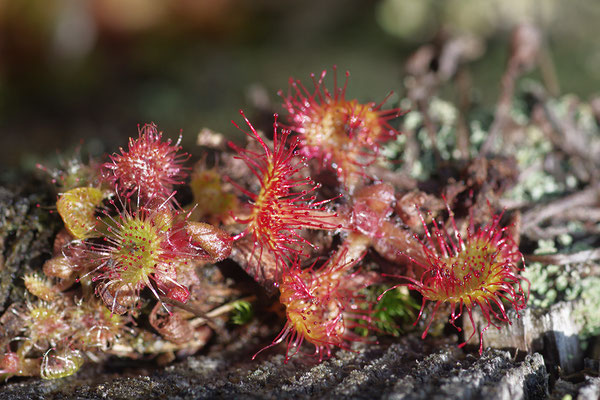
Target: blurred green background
[73, 70]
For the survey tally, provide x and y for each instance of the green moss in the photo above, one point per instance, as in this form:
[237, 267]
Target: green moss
[396, 306]
[242, 313]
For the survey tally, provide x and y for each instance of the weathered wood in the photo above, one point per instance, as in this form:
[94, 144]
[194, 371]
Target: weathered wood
[553, 332]
[26, 235]
[405, 370]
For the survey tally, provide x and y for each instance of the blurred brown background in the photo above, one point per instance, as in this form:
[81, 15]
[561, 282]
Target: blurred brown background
[73, 70]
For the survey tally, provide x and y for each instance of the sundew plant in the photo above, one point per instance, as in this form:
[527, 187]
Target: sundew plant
[308, 209]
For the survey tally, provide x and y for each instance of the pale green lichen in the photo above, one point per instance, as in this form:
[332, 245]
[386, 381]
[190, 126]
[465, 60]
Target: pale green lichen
[553, 283]
[412, 120]
[443, 115]
[539, 277]
[587, 310]
[565, 239]
[478, 136]
[535, 182]
[535, 148]
[545, 246]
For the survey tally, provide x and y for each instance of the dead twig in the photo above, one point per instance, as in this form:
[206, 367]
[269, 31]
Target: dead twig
[584, 214]
[566, 136]
[563, 259]
[423, 107]
[224, 309]
[195, 311]
[586, 198]
[525, 45]
[463, 134]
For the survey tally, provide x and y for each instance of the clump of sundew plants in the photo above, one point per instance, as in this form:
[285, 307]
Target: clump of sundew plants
[311, 209]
